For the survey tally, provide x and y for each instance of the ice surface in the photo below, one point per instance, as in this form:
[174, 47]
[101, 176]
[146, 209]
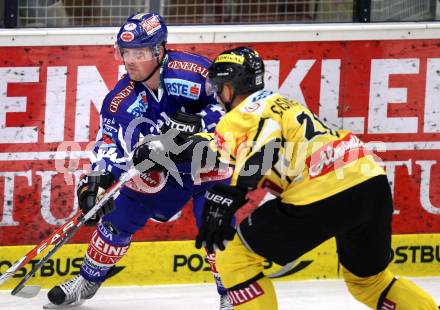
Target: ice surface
[301, 295]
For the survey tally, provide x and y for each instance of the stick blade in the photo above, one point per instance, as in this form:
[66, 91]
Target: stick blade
[27, 291]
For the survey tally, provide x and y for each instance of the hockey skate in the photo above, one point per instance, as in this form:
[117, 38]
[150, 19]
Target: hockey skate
[71, 293]
[224, 303]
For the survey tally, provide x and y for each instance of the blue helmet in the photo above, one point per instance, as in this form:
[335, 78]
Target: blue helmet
[143, 30]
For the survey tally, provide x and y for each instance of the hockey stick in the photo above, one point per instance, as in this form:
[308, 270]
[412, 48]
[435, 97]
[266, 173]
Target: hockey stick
[60, 236]
[38, 249]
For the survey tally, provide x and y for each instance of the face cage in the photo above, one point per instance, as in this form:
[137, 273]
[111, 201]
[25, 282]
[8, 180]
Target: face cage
[136, 55]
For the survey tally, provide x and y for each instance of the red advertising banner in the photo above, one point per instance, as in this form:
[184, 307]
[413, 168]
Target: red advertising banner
[384, 91]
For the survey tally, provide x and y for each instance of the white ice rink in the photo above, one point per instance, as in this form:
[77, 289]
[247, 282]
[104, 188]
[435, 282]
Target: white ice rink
[301, 295]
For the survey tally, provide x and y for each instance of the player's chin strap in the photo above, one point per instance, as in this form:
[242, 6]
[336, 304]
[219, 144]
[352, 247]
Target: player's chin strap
[159, 63]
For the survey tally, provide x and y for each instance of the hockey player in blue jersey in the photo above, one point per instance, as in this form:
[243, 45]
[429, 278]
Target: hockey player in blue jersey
[162, 89]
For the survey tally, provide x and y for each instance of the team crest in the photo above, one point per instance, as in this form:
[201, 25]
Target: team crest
[139, 106]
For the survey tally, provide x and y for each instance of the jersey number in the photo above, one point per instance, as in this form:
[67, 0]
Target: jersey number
[311, 131]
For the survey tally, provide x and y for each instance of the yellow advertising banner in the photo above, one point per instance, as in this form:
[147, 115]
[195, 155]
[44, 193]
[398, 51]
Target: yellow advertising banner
[178, 262]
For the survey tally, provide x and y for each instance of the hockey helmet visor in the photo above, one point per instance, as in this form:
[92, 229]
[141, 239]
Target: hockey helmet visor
[140, 54]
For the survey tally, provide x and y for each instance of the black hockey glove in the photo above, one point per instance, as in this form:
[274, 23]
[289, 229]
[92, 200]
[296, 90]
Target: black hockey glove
[221, 202]
[155, 153]
[90, 188]
[147, 156]
[186, 124]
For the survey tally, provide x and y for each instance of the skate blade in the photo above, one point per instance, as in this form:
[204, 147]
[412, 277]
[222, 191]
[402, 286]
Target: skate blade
[53, 306]
[28, 291]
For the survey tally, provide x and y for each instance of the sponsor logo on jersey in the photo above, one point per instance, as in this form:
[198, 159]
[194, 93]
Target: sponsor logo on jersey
[335, 155]
[213, 175]
[148, 183]
[219, 140]
[151, 25]
[248, 293]
[261, 95]
[184, 88]
[127, 36]
[130, 27]
[254, 104]
[116, 101]
[139, 106]
[188, 66]
[252, 107]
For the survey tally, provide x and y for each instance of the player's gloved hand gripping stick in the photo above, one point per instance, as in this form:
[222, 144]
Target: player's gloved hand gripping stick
[221, 203]
[164, 151]
[59, 237]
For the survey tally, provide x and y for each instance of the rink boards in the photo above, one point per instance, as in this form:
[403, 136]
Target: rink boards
[54, 81]
[178, 262]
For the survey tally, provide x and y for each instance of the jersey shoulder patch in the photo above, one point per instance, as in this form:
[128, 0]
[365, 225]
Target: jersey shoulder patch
[256, 103]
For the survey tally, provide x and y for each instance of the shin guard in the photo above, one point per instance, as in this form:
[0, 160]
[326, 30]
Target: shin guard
[106, 248]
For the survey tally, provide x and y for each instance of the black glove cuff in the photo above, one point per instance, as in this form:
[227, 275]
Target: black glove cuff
[93, 181]
[237, 195]
[187, 124]
[106, 180]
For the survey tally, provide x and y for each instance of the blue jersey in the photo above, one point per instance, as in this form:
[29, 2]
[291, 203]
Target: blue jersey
[131, 111]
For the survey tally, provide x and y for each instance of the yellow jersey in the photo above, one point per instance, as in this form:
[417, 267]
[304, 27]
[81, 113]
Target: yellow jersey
[300, 158]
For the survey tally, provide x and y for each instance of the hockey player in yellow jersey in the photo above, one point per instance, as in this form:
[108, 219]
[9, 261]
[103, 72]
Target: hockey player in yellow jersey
[327, 185]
